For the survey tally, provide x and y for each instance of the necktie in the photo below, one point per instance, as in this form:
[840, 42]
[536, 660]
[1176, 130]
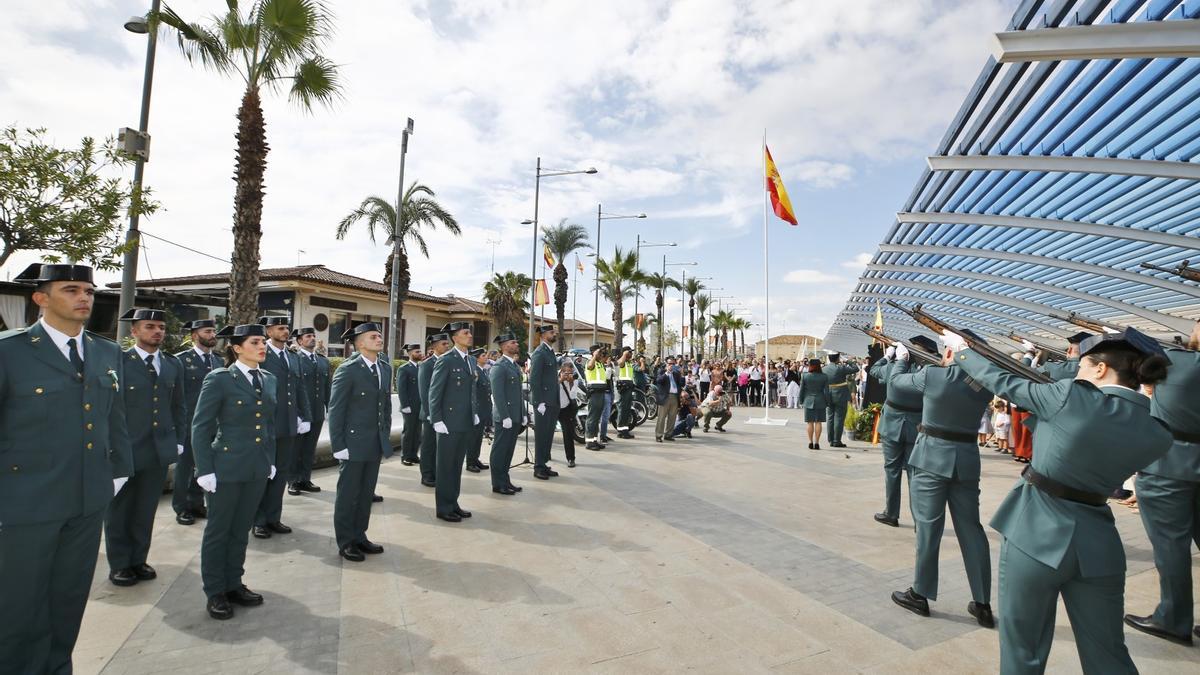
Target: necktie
[254, 377]
[150, 367]
[375, 372]
[208, 363]
[73, 355]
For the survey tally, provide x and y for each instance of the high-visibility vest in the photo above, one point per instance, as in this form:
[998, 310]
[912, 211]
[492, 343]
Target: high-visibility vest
[625, 372]
[597, 378]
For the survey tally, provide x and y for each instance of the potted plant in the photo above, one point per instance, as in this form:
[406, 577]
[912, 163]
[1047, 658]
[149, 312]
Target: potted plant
[864, 422]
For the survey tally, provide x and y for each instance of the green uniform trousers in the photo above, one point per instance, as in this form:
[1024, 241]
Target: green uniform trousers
[451, 452]
[543, 436]
[895, 463]
[352, 506]
[1029, 594]
[429, 445]
[1171, 514]
[475, 446]
[129, 521]
[306, 452]
[410, 436]
[226, 532]
[186, 495]
[624, 407]
[504, 443]
[835, 415]
[45, 575]
[595, 402]
[930, 495]
[270, 509]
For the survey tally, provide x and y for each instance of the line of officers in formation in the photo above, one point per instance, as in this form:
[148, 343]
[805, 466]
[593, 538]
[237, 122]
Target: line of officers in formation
[1119, 405]
[88, 431]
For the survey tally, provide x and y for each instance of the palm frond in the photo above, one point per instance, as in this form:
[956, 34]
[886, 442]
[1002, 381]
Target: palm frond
[196, 42]
[315, 81]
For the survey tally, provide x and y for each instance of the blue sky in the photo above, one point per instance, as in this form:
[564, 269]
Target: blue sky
[668, 100]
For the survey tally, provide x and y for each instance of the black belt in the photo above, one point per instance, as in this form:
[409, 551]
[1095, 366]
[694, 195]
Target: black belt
[1185, 436]
[902, 408]
[947, 435]
[1057, 489]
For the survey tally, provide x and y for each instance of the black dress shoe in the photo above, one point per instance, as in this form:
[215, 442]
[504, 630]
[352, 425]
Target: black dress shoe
[428, 483]
[1148, 625]
[279, 528]
[408, 462]
[367, 546]
[450, 517]
[982, 614]
[504, 491]
[593, 446]
[144, 572]
[261, 532]
[482, 466]
[244, 596]
[887, 520]
[911, 601]
[624, 434]
[375, 499]
[706, 430]
[606, 439]
[570, 464]
[668, 438]
[721, 429]
[515, 488]
[550, 472]
[541, 475]
[199, 511]
[219, 607]
[123, 577]
[658, 439]
[350, 552]
[472, 467]
[185, 518]
[816, 446]
[810, 446]
[462, 513]
[293, 489]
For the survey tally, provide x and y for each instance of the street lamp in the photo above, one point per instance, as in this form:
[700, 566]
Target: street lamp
[394, 336]
[138, 25]
[537, 189]
[600, 215]
[663, 290]
[638, 255]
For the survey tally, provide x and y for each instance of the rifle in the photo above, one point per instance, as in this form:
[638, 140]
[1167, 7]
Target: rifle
[1184, 270]
[921, 355]
[1051, 352]
[980, 347]
[1097, 326]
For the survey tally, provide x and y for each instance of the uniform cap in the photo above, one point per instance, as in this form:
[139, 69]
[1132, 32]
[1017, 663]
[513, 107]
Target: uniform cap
[140, 314]
[476, 351]
[924, 344]
[411, 346]
[455, 326]
[200, 323]
[545, 328]
[274, 321]
[504, 337]
[436, 337]
[39, 273]
[1130, 337]
[1078, 338]
[360, 329]
[238, 333]
[304, 331]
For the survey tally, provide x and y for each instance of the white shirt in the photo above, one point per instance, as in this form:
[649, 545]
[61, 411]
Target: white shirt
[281, 353]
[755, 374]
[156, 362]
[307, 354]
[60, 338]
[201, 353]
[368, 364]
[671, 378]
[246, 371]
[705, 375]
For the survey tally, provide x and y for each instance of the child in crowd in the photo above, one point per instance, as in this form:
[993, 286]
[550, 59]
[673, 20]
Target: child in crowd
[1001, 423]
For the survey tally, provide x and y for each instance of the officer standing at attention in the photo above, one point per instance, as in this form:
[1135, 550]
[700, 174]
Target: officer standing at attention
[839, 398]
[897, 430]
[157, 422]
[64, 452]
[187, 498]
[439, 343]
[595, 374]
[292, 420]
[453, 416]
[1059, 534]
[945, 470]
[543, 395]
[508, 412]
[1169, 497]
[625, 385]
[483, 404]
[233, 438]
[360, 431]
[410, 405]
[814, 396]
[314, 380]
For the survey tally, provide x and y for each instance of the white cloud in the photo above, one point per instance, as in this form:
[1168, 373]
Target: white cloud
[809, 277]
[859, 262]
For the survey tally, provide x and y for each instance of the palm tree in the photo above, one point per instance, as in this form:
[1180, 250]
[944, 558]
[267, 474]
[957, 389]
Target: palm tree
[274, 44]
[698, 337]
[617, 278]
[691, 287]
[723, 321]
[702, 304]
[661, 283]
[740, 325]
[563, 240]
[419, 208]
[506, 298]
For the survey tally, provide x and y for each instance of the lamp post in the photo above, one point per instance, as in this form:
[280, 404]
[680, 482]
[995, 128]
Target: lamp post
[638, 255]
[537, 189]
[600, 215]
[139, 25]
[663, 290]
[394, 336]
[683, 310]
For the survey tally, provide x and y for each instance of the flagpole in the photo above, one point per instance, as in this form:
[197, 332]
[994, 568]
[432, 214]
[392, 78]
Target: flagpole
[575, 302]
[766, 418]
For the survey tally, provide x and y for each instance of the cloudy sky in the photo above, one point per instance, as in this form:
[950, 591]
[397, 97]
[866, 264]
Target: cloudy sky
[668, 100]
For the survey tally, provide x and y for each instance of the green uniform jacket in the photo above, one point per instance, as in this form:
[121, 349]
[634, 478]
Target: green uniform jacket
[452, 392]
[407, 387]
[424, 378]
[1177, 403]
[483, 396]
[291, 399]
[543, 379]
[155, 414]
[898, 424]
[505, 379]
[837, 374]
[1061, 370]
[1087, 438]
[315, 381]
[951, 401]
[194, 371]
[814, 390]
[62, 440]
[233, 431]
[360, 410]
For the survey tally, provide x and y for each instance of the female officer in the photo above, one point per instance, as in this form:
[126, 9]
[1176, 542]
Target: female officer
[233, 442]
[1093, 432]
[814, 394]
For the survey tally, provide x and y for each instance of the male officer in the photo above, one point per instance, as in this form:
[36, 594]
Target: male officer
[483, 404]
[595, 374]
[64, 452]
[945, 469]
[314, 379]
[156, 419]
[453, 416]
[187, 498]
[360, 430]
[1066, 370]
[898, 431]
[625, 385]
[439, 343]
[839, 397]
[292, 419]
[1169, 497]
[543, 395]
[508, 412]
[410, 405]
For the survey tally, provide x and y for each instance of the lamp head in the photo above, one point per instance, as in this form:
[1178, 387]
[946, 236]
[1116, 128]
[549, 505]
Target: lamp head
[591, 169]
[527, 222]
[137, 24]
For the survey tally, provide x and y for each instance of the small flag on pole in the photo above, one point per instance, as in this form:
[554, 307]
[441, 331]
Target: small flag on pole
[878, 320]
[685, 331]
[578, 263]
[548, 256]
[542, 294]
[779, 197]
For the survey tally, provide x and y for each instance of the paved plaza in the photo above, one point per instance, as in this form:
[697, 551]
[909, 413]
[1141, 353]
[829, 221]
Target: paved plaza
[730, 553]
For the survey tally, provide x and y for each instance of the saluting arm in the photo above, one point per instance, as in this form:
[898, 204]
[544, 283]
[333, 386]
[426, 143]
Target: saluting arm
[879, 370]
[1043, 400]
[906, 381]
[204, 422]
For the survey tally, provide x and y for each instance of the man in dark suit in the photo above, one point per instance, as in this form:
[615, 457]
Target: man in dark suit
[453, 416]
[292, 419]
[508, 412]
[543, 395]
[314, 378]
[483, 403]
[410, 406]
[187, 498]
[668, 384]
[439, 343]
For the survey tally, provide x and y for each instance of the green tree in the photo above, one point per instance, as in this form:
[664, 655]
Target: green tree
[692, 287]
[617, 278]
[698, 337]
[563, 240]
[640, 342]
[58, 201]
[506, 298]
[661, 283]
[419, 209]
[272, 45]
[703, 325]
[722, 322]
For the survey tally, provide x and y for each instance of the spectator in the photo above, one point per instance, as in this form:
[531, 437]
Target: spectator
[667, 385]
[716, 404]
[686, 417]
[568, 393]
[704, 378]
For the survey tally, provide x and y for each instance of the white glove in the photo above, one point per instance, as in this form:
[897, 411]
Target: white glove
[406, 410]
[507, 423]
[953, 341]
[889, 352]
[440, 427]
[119, 483]
[901, 353]
[1028, 346]
[178, 449]
[524, 421]
[476, 419]
[207, 482]
[271, 476]
[342, 454]
[541, 408]
[303, 427]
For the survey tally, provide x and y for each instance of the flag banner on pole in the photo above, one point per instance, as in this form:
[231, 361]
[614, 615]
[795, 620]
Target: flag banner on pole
[685, 331]
[578, 263]
[639, 321]
[542, 294]
[548, 256]
[779, 196]
[878, 320]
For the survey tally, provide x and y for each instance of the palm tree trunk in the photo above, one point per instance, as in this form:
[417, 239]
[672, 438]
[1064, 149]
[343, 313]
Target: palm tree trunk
[692, 326]
[401, 296]
[560, 303]
[618, 333]
[251, 164]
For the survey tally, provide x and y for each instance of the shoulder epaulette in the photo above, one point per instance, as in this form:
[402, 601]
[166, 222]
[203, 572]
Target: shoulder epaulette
[13, 332]
[99, 337]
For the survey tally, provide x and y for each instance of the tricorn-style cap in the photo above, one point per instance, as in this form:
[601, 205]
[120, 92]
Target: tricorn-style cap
[1130, 337]
[304, 331]
[504, 337]
[545, 328]
[476, 351]
[39, 273]
[141, 314]
[455, 326]
[241, 332]
[274, 321]
[436, 337]
[360, 329]
[595, 347]
[924, 344]
[1078, 338]
[411, 346]
[200, 323]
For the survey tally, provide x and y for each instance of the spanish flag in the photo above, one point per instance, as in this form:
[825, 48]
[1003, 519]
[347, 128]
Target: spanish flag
[541, 294]
[779, 197]
[548, 256]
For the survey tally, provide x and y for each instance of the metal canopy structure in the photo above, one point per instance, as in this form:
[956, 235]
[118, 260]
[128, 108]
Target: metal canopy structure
[1074, 159]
